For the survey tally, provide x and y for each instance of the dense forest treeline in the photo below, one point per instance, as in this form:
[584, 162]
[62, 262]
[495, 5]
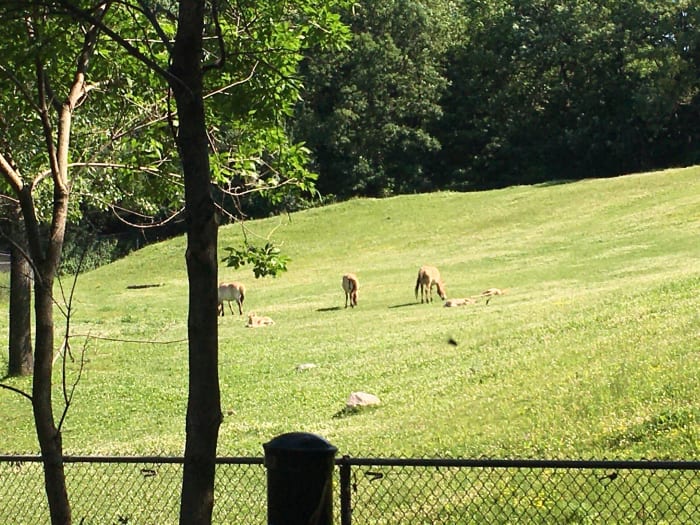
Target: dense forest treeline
[417, 96]
[438, 94]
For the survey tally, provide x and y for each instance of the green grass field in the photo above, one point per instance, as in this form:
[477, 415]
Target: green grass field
[594, 352]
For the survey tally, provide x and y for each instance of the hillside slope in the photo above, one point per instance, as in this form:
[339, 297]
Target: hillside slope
[593, 352]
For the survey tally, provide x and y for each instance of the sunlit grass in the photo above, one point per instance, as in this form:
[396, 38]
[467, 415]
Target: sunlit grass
[593, 352]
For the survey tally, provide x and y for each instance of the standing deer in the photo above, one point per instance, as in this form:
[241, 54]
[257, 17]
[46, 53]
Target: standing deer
[429, 276]
[350, 286]
[491, 293]
[231, 292]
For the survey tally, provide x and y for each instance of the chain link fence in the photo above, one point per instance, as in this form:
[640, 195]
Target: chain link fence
[518, 491]
[146, 491]
[129, 490]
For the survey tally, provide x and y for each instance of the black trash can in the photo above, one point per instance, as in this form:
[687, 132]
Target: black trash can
[299, 479]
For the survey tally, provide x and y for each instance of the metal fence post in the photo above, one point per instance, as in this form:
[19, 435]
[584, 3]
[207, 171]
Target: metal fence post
[299, 479]
[345, 492]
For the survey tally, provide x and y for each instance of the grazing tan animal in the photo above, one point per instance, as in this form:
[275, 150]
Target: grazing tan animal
[350, 285]
[491, 293]
[429, 276]
[232, 291]
[459, 302]
[256, 321]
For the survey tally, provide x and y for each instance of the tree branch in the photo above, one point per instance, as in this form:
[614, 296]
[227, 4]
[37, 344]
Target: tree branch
[233, 84]
[221, 61]
[128, 47]
[20, 86]
[21, 251]
[68, 393]
[10, 174]
[16, 391]
[151, 17]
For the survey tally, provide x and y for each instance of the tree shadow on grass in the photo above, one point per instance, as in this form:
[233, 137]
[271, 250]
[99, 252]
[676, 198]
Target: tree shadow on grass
[403, 305]
[330, 309]
[142, 286]
[352, 411]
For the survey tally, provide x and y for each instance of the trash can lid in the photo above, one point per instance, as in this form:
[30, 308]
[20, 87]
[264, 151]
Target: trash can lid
[299, 442]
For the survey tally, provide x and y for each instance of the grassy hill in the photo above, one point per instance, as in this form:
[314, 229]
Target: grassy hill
[594, 351]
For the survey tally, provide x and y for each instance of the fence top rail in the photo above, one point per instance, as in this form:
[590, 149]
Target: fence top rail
[396, 462]
[523, 463]
[132, 459]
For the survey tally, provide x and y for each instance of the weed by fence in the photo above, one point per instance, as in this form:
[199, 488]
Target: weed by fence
[146, 491]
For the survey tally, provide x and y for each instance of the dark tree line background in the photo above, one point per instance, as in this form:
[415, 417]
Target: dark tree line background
[438, 94]
[472, 95]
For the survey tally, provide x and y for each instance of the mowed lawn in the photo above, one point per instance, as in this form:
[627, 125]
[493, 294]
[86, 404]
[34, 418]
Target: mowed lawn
[594, 352]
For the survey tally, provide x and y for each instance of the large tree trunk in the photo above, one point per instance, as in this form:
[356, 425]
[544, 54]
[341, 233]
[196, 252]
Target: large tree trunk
[20, 338]
[49, 436]
[45, 259]
[204, 404]
[46, 254]
[21, 360]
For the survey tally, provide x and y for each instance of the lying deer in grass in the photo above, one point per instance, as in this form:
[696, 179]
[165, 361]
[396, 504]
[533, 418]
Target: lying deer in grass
[350, 285]
[256, 321]
[231, 292]
[429, 276]
[459, 302]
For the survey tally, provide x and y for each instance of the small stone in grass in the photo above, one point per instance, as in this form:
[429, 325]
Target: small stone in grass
[362, 399]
